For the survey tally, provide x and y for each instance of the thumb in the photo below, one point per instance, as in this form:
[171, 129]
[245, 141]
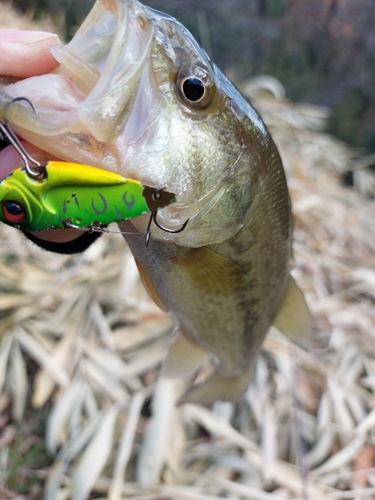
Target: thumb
[26, 53]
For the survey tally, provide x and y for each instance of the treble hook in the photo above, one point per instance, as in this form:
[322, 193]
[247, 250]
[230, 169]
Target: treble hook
[153, 218]
[8, 133]
[96, 228]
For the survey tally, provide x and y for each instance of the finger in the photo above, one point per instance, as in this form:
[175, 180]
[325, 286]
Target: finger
[26, 53]
[10, 159]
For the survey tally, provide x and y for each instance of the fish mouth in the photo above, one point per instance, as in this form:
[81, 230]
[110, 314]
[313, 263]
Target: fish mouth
[94, 109]
[94, 89]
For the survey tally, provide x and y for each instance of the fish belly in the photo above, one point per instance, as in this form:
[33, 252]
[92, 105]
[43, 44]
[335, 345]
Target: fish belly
[225, 296]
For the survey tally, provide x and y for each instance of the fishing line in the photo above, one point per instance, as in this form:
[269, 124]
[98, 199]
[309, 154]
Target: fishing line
[99, 229]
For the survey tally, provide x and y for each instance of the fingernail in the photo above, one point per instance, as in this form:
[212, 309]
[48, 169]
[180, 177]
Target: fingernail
[18, 36]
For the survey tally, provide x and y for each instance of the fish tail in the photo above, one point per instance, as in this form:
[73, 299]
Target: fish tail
[219, 388]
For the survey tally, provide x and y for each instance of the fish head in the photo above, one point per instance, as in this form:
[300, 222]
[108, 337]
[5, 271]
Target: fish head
[136, 94]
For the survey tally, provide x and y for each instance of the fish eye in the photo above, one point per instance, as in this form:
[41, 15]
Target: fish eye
[13, 211]
[195, 88]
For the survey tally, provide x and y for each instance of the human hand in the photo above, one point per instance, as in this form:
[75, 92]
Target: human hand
[24, 54]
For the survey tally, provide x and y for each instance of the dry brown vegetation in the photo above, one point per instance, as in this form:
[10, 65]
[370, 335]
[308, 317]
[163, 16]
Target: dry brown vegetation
[80, 337]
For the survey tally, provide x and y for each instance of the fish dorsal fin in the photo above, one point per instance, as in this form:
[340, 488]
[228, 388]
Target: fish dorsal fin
[293, 318]
[183, 357]
[211, 272]
[149, 286]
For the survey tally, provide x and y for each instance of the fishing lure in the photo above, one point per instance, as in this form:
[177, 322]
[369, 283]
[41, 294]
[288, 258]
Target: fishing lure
[70, 195]
[74, 195]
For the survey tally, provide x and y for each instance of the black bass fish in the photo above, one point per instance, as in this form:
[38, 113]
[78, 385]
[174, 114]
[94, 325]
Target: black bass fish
[136, 94]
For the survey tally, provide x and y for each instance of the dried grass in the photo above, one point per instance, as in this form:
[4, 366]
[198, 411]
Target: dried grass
[305, 427]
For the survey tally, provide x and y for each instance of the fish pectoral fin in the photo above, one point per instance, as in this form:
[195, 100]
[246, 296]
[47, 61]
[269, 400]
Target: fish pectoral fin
[183, 357]
[219, 388]
[211, 272]
[293, 318]
[149, 286]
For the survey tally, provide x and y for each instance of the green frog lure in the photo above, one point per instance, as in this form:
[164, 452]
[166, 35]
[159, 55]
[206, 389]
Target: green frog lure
[65, 195]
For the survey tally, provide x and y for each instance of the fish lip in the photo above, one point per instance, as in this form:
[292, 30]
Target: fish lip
[107, 107]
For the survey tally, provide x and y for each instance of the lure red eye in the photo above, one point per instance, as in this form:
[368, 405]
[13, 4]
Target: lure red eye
[13, 211]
